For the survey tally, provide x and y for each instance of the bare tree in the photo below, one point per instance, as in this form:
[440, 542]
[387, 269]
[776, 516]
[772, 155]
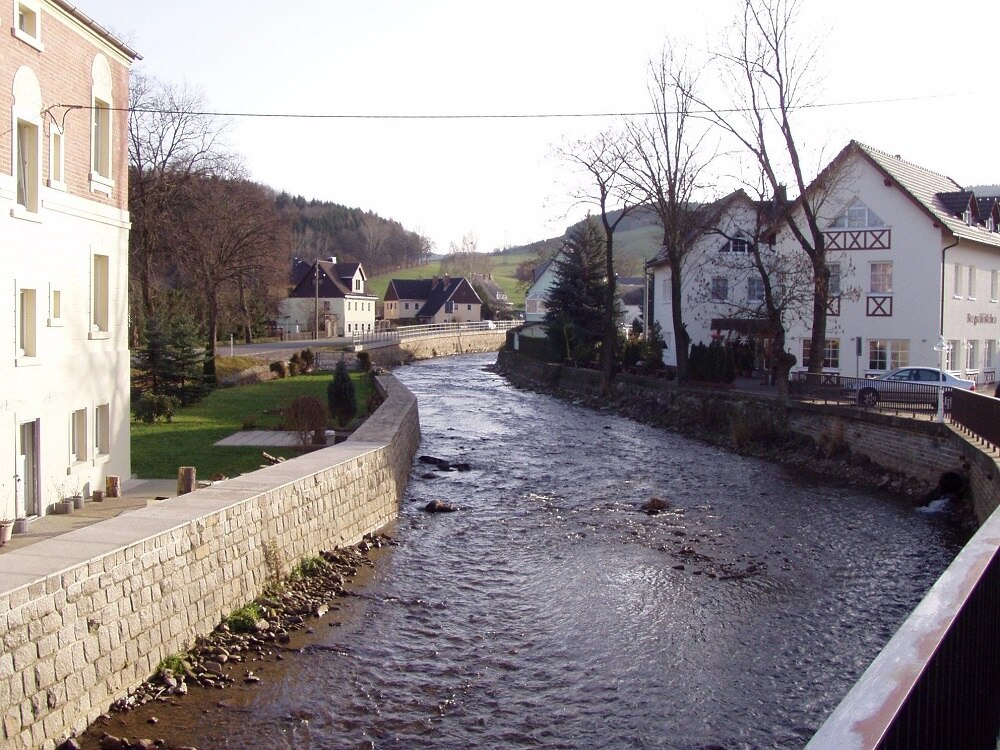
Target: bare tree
[670, 153]
[375, 231]
[771, 74]
[170, 142]
[228, 236]
[604, 162]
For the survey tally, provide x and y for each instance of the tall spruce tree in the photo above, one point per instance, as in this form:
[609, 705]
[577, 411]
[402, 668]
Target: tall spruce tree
[169, 360]
[576, 301]
[340, 395]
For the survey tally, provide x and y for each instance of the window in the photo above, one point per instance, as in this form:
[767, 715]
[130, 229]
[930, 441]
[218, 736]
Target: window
[56, 159]
[406, 305]
[100, 132]
[957, 281]
[881, 278]
[989, 354]
[755, 289]
[357, 285]
[735, 245]
[994, 286]
[831, 353]
[720, 289]
[55, 307]
[78, 436]
[102, 429]
[100, 309]
[972, 282]
[972, 356]
[101, 140]
[888, 354]
[28, 26]
[27, 166]
[857, 216]
[834, 286]
[951, 355]
[468, 307]
[27, 333]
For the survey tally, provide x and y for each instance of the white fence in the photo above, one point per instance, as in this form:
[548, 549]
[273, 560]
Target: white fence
[430, 331]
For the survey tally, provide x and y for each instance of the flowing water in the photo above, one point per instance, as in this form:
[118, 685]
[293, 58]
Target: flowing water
[549, 612]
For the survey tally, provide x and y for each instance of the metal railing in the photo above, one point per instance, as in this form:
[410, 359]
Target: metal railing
[936, 684]
[433, 330]
[978, 415]
[870, 393]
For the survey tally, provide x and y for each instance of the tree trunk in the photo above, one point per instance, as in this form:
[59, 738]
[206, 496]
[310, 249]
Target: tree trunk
[247, 323]
[610, 327]
[821, 285]
[681, 339]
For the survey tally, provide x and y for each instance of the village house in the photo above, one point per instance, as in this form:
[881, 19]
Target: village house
[65, 224]
[331, 293]
[435, 300]
[914, 263]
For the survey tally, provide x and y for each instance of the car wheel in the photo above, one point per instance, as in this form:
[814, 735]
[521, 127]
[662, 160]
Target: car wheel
[868, 397]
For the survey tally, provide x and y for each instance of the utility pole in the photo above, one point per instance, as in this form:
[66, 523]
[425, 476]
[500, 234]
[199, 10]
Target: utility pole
[316, 321]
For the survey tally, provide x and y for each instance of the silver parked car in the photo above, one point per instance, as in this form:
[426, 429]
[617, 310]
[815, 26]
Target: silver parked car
[911, 385]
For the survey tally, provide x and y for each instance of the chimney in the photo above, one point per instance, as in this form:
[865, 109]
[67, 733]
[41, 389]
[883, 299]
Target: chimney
[333, 258]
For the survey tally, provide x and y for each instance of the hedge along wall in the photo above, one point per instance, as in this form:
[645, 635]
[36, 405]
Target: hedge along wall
[89, 615]
[920, 449]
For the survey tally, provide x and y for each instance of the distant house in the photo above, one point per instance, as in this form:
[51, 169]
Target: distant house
[332, 292]
[497, 297]
[542, 278]
[435, 300]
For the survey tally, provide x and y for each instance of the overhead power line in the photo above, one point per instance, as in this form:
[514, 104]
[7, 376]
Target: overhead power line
[491, 116]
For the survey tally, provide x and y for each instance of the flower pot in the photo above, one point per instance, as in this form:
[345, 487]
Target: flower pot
[77, 500]
[20, 525]
[6, 529]
[63, 506]
[98, 496]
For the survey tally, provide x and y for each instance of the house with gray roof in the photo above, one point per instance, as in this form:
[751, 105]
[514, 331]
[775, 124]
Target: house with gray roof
[434, 300]
[330, 294]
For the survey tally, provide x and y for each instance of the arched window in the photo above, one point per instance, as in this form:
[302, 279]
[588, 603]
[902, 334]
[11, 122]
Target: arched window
[857, 216]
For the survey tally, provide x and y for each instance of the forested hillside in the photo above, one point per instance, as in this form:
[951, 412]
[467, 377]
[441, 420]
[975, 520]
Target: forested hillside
[321, 229]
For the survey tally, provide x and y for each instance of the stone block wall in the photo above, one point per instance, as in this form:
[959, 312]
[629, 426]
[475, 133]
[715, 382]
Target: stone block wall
[920, 449]
[88, 615]
[467, 342]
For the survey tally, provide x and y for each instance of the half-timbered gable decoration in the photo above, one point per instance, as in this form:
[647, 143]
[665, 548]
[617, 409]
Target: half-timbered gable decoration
[858, 228]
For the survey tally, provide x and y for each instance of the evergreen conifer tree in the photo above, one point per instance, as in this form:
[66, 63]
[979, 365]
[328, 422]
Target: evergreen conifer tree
[340, 395]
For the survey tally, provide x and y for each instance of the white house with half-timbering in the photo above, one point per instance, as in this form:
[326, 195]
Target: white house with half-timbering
[913, 257]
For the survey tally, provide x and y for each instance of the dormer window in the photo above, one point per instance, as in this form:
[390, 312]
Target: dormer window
[967, 216]
[990, 224]
[857, 216]
[735, 245]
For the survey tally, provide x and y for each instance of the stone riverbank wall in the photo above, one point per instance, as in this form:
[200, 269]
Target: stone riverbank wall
[921, 450]
[87, 616]
[466, 342]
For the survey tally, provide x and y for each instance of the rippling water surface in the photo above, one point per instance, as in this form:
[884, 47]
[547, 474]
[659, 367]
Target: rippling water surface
[549, 612]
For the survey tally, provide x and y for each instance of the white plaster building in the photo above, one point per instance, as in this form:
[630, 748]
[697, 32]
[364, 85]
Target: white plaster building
[64, 223]
[543, 276]
[913, 256]
[335, 293]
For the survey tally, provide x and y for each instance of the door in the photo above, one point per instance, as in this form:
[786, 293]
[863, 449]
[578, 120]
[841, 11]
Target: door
[26, 480]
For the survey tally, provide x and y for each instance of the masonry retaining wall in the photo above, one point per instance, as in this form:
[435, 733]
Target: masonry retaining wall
[87, 616]
[922, 450]
[467, 342]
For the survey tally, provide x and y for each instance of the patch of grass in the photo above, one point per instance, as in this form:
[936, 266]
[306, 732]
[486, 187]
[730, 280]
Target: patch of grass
[242, 620]
[189, 440]
[307, 568]
[174, 663]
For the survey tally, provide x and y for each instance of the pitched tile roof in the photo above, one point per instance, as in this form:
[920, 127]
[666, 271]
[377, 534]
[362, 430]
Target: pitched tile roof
[939, 196]
[434, 293]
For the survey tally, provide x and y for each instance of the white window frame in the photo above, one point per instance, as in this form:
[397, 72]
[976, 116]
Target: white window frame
[884, 280]
[28, 23]
[27, 169]
[857, 216]
[78, 437]
[972, 283]
[57, 158]
[951, 354]
[100, 296]
[895, 353]
[101, 128]
[26, 338]
[102, 430]
[972, 356]
[994, 286]
[718, 290]
[833, 290]
[755, 288]
[956, 290]
[55, 319]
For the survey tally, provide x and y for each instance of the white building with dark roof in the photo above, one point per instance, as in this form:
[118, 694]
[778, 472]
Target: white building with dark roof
[330, 297]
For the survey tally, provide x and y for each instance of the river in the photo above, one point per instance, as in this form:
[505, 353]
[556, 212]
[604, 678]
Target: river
[549, 612]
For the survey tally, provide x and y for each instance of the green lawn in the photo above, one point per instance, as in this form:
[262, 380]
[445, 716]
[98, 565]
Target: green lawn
[158, 449]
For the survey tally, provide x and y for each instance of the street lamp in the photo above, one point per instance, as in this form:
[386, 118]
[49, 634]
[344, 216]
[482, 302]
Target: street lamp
[941, 347]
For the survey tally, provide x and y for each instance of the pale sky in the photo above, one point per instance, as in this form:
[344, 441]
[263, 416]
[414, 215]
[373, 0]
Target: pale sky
[498, 178]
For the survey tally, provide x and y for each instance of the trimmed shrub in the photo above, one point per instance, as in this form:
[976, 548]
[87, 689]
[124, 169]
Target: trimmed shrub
[151, 408]
[279, 368]
[308, 360]
[365, 361]
[340, 396]
[307, 417]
